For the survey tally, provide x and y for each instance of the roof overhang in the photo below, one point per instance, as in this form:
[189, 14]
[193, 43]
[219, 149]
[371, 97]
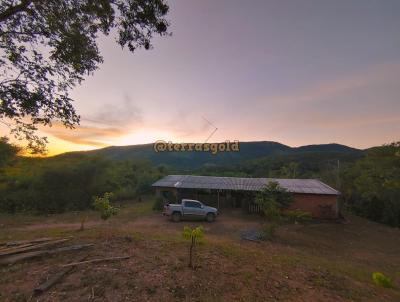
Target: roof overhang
[301, 186]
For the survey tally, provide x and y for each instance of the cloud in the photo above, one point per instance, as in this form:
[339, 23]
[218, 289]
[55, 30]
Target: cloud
[117, 113]
[80, 141]
[380, 73]
[188, 123]
[364, 98]
[102, 127]
[85, 135]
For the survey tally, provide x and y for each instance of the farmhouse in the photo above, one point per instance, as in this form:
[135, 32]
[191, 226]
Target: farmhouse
[310, 195]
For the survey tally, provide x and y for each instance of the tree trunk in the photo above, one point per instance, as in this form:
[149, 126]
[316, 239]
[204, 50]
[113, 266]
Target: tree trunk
[83, 220]
[191, 252]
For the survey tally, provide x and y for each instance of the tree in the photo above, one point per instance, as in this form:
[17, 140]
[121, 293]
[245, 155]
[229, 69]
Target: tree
[372, 186]
[47, 47]
[194, 235]
[7, 151]
[272, 199]
[289, 170]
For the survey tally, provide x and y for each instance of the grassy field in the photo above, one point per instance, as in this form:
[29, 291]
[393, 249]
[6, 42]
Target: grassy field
[318, 262]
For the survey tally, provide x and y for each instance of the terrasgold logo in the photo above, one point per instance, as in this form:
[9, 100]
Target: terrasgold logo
[213, 148]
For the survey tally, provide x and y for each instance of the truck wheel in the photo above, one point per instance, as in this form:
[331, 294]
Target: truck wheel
[176, 217]
[210, 217]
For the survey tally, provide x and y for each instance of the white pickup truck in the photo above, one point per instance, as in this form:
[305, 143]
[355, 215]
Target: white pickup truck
[190, 208]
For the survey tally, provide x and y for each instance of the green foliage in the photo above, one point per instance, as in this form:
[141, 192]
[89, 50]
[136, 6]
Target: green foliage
[68, 183]
[381, 280]
[298, 216]
[45, 186]
[372, 186]
[272, 199]
[102, 205]
[289, 170]
[48, 47]
[7, 151]
[194, 235]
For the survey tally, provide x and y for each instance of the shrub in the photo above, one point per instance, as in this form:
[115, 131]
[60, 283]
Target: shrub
[382, 280]
[102, 205]
[272, 200]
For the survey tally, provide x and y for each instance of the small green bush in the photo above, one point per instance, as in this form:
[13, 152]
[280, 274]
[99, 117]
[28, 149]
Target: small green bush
[382, 280]
[298, 216]
[102, 205]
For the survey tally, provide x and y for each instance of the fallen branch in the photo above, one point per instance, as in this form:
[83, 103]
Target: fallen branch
[95, 260]
[53, 280]
[34, 254]
[17, 250]
[6, 248]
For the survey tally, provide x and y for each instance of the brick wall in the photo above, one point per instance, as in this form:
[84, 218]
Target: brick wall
[320, 206]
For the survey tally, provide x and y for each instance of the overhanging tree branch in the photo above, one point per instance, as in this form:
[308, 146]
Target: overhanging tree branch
[47, 47]
[12, 10]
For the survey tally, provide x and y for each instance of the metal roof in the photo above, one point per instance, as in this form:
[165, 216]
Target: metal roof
[306, 186]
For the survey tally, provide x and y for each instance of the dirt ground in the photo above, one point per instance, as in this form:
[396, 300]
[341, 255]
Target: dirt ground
[317, 262]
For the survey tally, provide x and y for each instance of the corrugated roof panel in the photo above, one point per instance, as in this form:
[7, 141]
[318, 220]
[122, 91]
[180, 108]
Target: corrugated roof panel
[312, 186]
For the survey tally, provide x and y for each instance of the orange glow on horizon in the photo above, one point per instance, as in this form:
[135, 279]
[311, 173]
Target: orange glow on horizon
[58, 146]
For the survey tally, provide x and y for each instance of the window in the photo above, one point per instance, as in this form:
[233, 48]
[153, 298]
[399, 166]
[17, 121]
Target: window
[192, 204]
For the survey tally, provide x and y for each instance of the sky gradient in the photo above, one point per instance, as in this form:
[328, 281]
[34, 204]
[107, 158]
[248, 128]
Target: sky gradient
[298, 72]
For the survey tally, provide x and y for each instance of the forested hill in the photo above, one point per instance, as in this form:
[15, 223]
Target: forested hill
[195, 160]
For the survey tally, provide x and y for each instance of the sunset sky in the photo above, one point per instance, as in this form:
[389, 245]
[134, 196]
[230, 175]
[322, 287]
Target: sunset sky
[298, 72]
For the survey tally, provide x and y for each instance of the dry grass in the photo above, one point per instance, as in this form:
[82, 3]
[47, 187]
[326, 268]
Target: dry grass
[319, 262]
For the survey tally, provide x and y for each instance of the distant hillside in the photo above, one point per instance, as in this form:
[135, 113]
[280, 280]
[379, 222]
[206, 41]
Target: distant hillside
[195, 160]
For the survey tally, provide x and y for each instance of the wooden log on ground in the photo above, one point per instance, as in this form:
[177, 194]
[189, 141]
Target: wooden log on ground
[54, 279]
[18, 250]
[7, 248]
[19, 257]
[95, 260]
[20, 242]
[34, 254]
[11, 248]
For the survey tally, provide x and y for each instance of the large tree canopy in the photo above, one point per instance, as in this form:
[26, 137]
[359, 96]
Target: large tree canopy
[48, 46]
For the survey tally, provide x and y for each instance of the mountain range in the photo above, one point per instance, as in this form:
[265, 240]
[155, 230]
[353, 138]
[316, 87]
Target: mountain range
[193, 160]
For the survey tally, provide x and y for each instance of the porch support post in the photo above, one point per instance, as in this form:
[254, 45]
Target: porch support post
[218, 198]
